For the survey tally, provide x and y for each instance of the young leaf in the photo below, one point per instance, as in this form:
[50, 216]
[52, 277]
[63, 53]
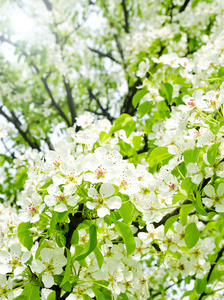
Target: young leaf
[99, 256]
[158, 155]
[86, 297]
[128, 237]
[212, 153]
[144, 108]
[126, 212]
[200, 285]
[169, 223]
[184, 212]
[138, 96]
[191, 235]
[99, 295]
[67, 273]
[30, 292]
[91, 244]
[24, 235]
[167, 89]
[52, 296]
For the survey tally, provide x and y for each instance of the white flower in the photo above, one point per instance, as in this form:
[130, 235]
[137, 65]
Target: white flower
[103, 201]
[143, 68]
[85, 120]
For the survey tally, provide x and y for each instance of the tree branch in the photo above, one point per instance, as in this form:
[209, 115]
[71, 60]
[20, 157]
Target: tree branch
[44, 80]
[126, 15]
[13, 119]
[104, 111]
[48, 4]
[70, 100]
[211, 269]
[184, 6]
[101, 54]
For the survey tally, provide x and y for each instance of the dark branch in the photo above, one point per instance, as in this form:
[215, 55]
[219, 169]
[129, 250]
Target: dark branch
[48, 4]
[70, 100]
[104, 111]
[128, 107]
[14, 120]
[101, 54]
[211, 269]
[126, 15]
[184, 6]
[44, 80]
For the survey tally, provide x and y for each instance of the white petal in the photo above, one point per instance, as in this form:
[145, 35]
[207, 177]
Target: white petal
[37, 266]
[50, 200]
[72, 201]
[60, 207]
[46, 254]
[4, 269]
[90, 205]
[114, 202]
[207, 201]
[53, 190]
[220, 189]
[4, 256]
[15, 250]
[192, 168]
[48, 280]
[219, 208]
[69, 189]
[93, 193]
[102, 211]
[58, 179]
[25, 257]
[196, 178]
[107, 190]
[209, 190]
[60, 260]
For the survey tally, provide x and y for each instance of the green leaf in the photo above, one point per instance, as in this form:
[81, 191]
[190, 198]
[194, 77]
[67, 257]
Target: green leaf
[181, 81]
[198, 204]
[104, 136]
[138, 96]
[178, 197]
[98, 294]
[191, 235]
[51, 296]
[46, 185]
[187, 186]
[126, 212]
[158, 155]
[122, 296]
[136, 141]
[75, 237]
[21, 297]
[99, 256]
[30, 292]
[128, 237]
[86, 297]
[221, 72]
[125, 148]
[191, 155]
[212, 153]
[92, 243]
[145, 108]
[53, 222]
[167, 89]
[24, 235]
[169, 223]
[125, 122]
[200, 285]
[184, 212]
[67, 273]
